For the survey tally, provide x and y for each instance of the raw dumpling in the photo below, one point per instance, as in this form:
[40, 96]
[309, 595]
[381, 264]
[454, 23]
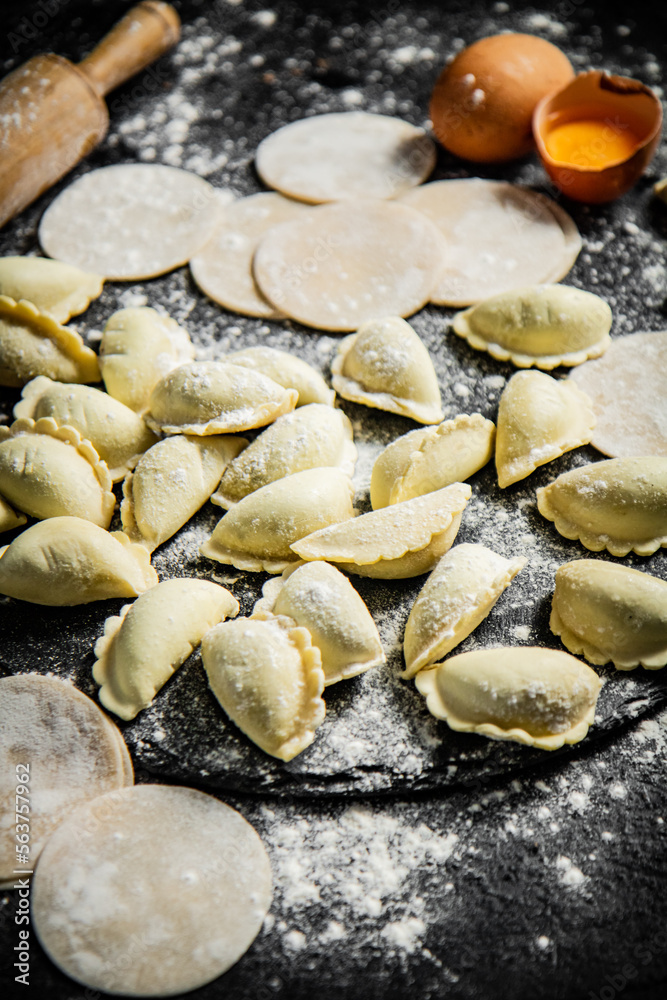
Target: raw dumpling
[385, 365]
[540, 325]
[619, 505]
[608, 612]
[56, 288]
[211, 397]
[402, 540]
[150, 639]
[539, 419]
[139, 347]
[9, 519]
[66, 560]
[287, 370]
[319, 598]
[117, 433]
[170, 483]
[33, 343]
[49, 471]
[431, 458]
[458, 595]
[311, 437]
[269, 681]
[256, 534]
[541, 697]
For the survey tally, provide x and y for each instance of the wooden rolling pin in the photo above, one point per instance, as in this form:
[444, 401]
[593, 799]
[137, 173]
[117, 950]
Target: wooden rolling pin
[52, 113]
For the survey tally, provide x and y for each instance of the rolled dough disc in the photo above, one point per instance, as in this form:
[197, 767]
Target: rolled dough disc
[339, 265]
[130, 221]
[628, 390]
[332, 157]
[223, 268]
[499, 237]
[74, 750]
[151, 891]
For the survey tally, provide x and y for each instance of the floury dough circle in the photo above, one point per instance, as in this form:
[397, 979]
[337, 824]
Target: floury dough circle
[130, 221]
[339, 265]
[499, 236]
[223, 268]
[354, 154]
[151, 891]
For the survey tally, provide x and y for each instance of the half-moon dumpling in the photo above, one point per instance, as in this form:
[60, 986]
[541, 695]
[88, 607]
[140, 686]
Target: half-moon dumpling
[50, 471]
[33, 343]
[117, 433]
[143, 646]
[67, 560]
[539, 419]
[319, 598]
[287, 370]
[139, 347]
[431, 458]
[541, 697]
[171, 481]
[385, 365]
[9, 518]
[268, 680]
[212, 397]
[256, 534]
[458, 595]
[402, 540]
[311, 437]
[54, 287]
[619, 505]
[609, 612]
[540, 325]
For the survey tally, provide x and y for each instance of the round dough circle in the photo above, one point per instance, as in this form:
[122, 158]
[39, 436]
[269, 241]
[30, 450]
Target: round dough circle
[151, 891]
[628, 389]
[74, 751]
[337, 266]
[223, 268]
[499, 237]
[354, 154]
[130, 221]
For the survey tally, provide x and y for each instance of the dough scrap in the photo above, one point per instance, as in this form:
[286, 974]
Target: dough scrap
[144, 646]
[256, 534]
[50, 471]
[103, 895]
[539, 418]
[66, 560]
[223, 267]
[538, 325]
[139, 347]
[313, 436]
[117, 433]
[9, 519]
[287, 370]
[52, 286]
[405, 539]
[268, 678]
[619, 505]
[33, 343]
[628, 390]
[499, 237]
[605, 612]
[431, 458]
[458, 595]
[339, 265]
[317, 596]
[385, 365]
[130, 221]
[73, 752]
[352, 154]
[213, 397]
[171, 482]
[539, 697]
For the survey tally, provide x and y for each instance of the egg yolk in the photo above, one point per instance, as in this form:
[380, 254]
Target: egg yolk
[590, 142]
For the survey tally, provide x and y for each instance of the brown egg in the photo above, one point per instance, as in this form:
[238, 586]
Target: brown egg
[483, 102]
